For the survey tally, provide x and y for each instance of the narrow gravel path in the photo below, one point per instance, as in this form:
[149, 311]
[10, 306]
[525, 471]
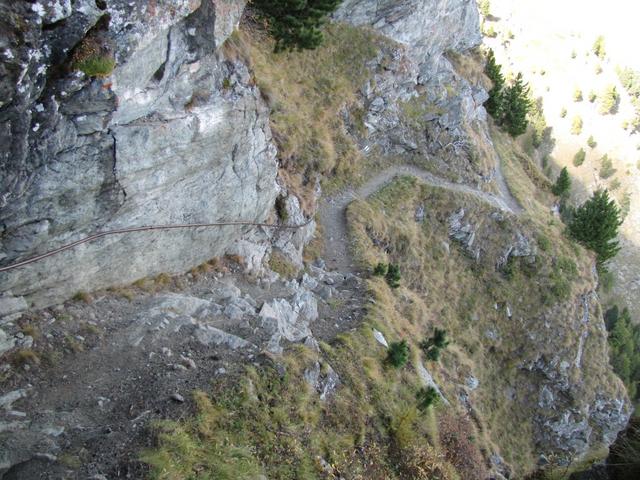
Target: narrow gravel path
[332, 209]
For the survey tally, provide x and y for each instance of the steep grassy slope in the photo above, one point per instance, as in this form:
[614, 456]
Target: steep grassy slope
[526, 374]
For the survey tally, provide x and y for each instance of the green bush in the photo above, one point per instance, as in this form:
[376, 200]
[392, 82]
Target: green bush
[281, 208]
[426, 397]
[96, 65]
[491, 32]
[484, 6]
[577, 95]
[393, 275]
[592, 96]
[595, 225]
[606, 167]
[598, 47]
[398, 354]
[563, 112]
[433, 346]
[592, 142]
[576, 125]
[578, 158]
[609, 100]
[544, 243]
[295, 24]
[380, 270]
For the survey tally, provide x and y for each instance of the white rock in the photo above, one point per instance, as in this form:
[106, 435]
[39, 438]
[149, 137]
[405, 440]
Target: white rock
[380, 338]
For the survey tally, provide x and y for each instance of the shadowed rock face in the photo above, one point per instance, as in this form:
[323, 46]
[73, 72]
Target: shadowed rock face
[177, 134]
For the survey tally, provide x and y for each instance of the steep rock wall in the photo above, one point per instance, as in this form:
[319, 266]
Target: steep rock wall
[177, 134]
[446, 127]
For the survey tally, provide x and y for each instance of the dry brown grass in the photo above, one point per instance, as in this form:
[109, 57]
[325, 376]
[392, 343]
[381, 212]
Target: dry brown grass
[454, 292]
[307, 92]
[282, 266]
[458, 441]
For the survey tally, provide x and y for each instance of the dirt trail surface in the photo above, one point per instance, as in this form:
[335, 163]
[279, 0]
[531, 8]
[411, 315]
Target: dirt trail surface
[332, 210]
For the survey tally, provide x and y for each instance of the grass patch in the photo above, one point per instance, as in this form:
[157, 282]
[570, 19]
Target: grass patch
[271, 422]
[447, 289]
[307, 91]
[282, 266]
[83, 297]
[24, 356]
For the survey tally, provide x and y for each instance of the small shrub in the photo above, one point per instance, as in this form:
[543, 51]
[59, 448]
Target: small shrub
[433, 346]
[578, 158]
[393, 275]
[592, 96]
[606, 167]
[226, 83]
[281, 208]
[24, 357]
[398, 354]
[598, 47]
[609, 101]
[83, 297]
[380, 270]
[426, 397]
[485, 8]
[96, 66]
[563, 112]
[614, 185]
[576, 125]
[279, 264]
[544, 243]
[598, 69]
[574, 54]
[577, 95]
[491, 32]
[591, 142]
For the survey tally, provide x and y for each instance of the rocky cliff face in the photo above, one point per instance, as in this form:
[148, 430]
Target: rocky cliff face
[177, 134]
[419, 105]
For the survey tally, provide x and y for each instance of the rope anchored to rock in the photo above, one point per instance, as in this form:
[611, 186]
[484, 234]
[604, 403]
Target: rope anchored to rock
[146, 228]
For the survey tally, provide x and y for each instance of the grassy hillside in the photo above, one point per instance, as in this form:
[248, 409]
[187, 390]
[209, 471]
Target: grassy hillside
[513, 302]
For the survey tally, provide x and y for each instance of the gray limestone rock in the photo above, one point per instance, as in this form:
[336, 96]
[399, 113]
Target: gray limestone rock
[160, 141]
[288, 320]
[207, 335]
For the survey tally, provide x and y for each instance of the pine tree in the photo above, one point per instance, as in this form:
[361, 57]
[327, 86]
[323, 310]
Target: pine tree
[393, 275]
[595, 224]
[516, 104]
[493, 71]
[563, 183]
[434, 345]
[295, 24]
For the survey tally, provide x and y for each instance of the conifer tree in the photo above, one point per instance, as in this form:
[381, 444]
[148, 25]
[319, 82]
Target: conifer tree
[493, 71]
[295, 24]
[563, 183]
[595, 224]
[515, 105]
